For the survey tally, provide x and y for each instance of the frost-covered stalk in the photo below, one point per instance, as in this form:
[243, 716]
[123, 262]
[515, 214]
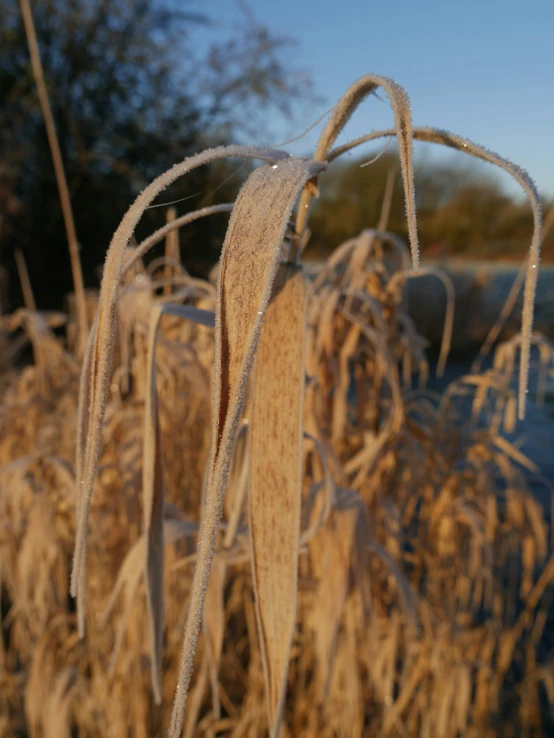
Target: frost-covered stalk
[78, 284]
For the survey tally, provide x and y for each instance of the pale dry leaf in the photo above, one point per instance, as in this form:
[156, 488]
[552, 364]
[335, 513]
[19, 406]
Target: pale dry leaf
[331, 552]
[98, 364]
[344, 109]
[248, 267]
[276, 479]
[153, 508]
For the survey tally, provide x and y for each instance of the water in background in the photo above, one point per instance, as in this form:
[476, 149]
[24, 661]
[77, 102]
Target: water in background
[533, 436]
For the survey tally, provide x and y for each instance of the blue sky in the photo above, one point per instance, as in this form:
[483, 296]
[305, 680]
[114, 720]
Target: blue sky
[484, 70]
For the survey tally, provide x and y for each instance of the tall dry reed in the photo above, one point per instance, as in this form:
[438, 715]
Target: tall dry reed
[346, 552]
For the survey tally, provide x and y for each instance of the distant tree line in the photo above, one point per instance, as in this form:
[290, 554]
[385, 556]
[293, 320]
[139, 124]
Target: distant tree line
[135, 86]
[462, 210]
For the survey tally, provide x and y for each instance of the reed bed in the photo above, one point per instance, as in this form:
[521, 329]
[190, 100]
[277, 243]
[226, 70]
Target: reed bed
[254, 461]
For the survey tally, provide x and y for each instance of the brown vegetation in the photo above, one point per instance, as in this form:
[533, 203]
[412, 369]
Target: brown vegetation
[347, 555]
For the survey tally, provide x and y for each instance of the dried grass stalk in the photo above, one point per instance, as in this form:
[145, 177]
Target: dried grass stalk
[96, 371]
[172, 253]
[82, 435]
[78, 284]
[331, 555]
[445, 138]
[276, 479]
[511, 300]
[153, 486]
[153, 508]
[214, 626]
[26, 288]
[384, 216]
[155, 238]
[403, 122]
[248, 267]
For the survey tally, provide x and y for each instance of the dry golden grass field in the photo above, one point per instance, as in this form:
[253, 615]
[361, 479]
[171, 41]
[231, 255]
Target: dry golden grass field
[234, 507]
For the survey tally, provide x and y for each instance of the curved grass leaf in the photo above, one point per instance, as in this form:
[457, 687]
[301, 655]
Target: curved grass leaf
[276, 479]
[403, 129]
[97, 366]
[248, 267]
[445, 138]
